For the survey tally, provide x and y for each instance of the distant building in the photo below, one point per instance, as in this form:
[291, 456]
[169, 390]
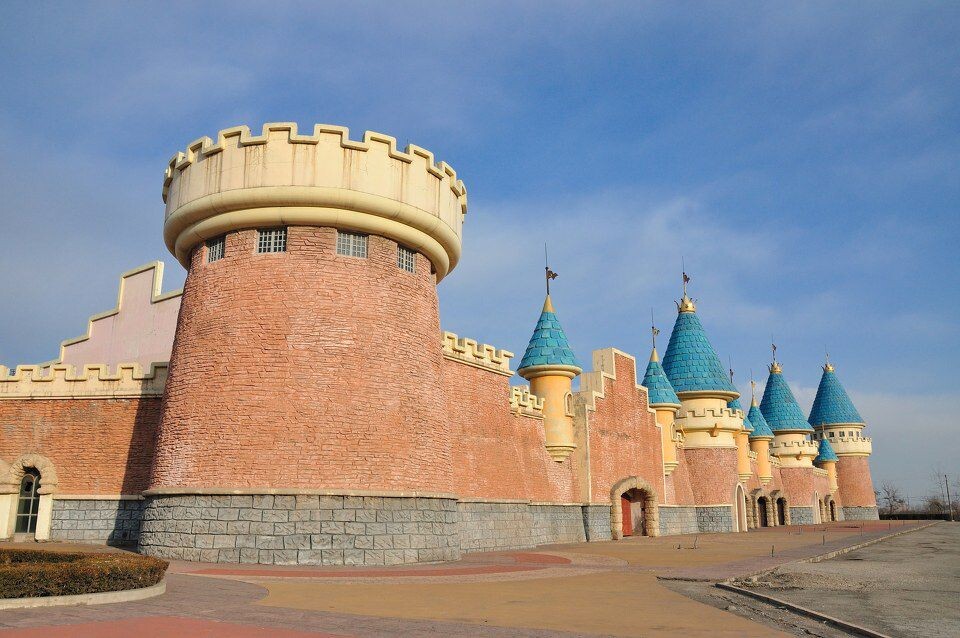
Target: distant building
[297, 402]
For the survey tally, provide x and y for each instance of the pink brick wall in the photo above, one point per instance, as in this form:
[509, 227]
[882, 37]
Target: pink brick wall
[713, 474]
[97, 446]
[499, 455]
[306, 369]
[856, 484]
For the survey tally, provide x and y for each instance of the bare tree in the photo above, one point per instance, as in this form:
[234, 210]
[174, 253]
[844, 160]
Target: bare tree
[891, 498]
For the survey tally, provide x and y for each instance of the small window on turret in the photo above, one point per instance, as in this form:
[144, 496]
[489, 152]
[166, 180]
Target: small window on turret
[406, 259]
[215, 249]
[272, 240]
[351, 244]
[831, 435]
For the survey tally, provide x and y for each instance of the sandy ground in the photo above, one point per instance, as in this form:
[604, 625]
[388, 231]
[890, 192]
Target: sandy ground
[904, 587]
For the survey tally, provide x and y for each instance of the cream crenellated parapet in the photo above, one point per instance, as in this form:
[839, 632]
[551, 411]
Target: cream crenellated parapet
[281, 177]
[92, 382]
[847, 439]
[478, 355]
[707, 422]
[794, 449]
[523, 403]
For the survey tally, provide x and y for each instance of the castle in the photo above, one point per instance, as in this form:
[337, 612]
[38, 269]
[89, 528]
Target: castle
[297, 401]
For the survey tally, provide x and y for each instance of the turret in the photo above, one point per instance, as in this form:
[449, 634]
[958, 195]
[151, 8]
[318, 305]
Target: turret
[791, 432]
[664, 402]
[760, 438]
[742, 438]
[827, 460]
[838, 423]
[550, 366]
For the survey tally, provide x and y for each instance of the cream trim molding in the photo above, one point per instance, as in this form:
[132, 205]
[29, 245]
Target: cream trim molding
[93, 382]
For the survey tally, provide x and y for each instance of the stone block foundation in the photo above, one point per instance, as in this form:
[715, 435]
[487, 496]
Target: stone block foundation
[111, 521]
[860, 513]
[489, 525]
[802, 516]
[300, 529]
[678, 520]
[715, 518]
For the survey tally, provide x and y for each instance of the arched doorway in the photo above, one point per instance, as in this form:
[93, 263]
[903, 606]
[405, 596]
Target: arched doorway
[763, 519]
[634, 509]
[833, 510]
[781, 506]
[817, 508]
[739, 509]
[28, 502]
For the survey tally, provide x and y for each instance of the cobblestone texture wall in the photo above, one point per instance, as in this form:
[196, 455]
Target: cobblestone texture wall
[497, 526]
[306, 530]
[801, 516]
[860, 513]
[678, 520]
[114, 522]
[715, 519]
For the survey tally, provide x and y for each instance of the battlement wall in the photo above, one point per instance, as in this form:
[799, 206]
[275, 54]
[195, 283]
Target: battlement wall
[92, 382]
[281, 177]
[480, 355]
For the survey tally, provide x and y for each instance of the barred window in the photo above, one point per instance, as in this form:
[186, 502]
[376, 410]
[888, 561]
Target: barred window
[215, 248]
[351, 244]
[406, 259]
[272, 240]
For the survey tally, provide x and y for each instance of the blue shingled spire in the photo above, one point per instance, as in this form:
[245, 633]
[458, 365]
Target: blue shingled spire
[690, 361]
[832, 404]
[760, 428]
[779, 407]
[826, 452]
[658, 386]
[548, 345]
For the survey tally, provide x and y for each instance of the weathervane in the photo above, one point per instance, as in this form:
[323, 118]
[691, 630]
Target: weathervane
[730, 364]
[550, 274]
[773, 346]
[686, 279]
[653, 329]
[753, 388]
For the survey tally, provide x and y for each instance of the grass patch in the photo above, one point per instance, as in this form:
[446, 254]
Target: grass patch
[26, 573]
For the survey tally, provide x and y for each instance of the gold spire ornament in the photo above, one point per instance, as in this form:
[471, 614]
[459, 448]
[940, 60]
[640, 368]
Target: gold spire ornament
[753, 391]
[828, 367]
[685, 304]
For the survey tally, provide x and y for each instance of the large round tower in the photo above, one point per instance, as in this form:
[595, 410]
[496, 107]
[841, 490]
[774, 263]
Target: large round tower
[305, 376]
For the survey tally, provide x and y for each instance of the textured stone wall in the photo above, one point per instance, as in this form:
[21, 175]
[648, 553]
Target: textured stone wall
[717, 518]
[802, 516]
[597, 521]
[678, 520]
[110, 521]
[713, 473]
[856, 484]
[302, 529]
[860, 513]
[97, 446]
[499, 526]
[500, 455]
[326, 371]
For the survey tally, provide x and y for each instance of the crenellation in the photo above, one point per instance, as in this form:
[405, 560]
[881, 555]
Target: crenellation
[480, 355]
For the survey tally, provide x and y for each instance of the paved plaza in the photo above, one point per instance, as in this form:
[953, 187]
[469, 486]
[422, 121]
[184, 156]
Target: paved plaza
[607, 588]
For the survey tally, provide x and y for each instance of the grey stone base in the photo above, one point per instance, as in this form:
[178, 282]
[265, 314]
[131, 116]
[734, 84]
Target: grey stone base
[718, 518]
[596, 520]
[860, 513]
[802, 516]
[110, 521]
[302, 529]
[501, 526]
[678, 520]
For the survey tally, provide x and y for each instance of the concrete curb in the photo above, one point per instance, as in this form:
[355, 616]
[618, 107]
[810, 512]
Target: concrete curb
[836, 622]
[872, 541]
[99, 598]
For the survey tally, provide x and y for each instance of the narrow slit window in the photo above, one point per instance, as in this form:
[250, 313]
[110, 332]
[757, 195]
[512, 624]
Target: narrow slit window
[351, 244]
[215, 249]
[272, 240]
[406, 259]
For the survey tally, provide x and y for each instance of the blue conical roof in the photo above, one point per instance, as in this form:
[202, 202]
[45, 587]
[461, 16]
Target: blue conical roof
[779, 407]
[832, 404]
[690, 361]
[658, 386]
[735, 405]
[548, 345]
[826, 452]
[760, 427]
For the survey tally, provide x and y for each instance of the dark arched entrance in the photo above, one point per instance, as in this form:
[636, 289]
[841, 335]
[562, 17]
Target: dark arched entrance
[28, 503]
[833, 510]
[762, 511]
[633, 510]
[782, 511]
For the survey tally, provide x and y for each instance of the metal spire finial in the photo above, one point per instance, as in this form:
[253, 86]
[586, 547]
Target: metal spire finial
[546, 266]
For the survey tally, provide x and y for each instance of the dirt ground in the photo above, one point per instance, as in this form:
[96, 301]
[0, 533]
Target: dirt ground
[904, 587]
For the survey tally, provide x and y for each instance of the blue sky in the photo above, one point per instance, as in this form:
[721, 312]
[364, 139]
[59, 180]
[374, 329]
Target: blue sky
[801, 157]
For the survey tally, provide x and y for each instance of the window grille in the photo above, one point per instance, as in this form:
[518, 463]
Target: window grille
[351, 244]
[406, 259]
[215, 249]
[273, 240]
